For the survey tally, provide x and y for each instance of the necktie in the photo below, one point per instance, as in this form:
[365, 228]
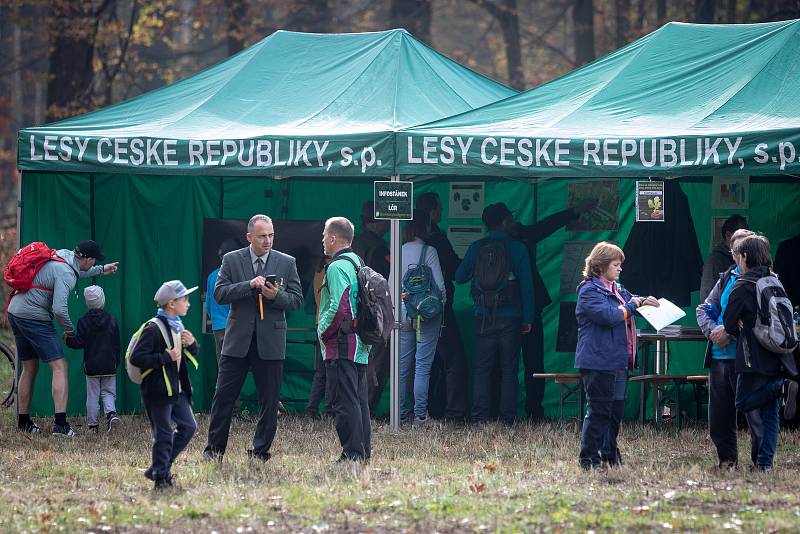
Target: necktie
[259, 267]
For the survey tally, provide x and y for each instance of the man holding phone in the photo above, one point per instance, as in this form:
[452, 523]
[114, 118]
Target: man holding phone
[261, 285]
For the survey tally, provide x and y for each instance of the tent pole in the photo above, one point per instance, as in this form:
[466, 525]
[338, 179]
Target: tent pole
[394, 344]
[19, 246]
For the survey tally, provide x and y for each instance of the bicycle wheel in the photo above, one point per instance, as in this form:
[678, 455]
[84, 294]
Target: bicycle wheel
[7, 376]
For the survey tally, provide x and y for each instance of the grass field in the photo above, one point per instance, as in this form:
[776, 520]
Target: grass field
[437, 479]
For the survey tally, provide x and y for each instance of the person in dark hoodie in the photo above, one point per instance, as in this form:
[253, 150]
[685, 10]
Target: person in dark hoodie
[759, 383]
[605, 351]
[720, 259]
[98, 336]
[166, 390]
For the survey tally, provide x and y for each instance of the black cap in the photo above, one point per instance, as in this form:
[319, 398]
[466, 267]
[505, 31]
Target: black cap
[89, 249]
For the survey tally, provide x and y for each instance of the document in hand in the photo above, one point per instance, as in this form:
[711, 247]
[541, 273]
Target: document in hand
[666, 314]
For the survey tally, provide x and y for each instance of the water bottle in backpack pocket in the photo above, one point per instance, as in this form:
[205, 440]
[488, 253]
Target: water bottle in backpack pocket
[774, 327]
[423, 297]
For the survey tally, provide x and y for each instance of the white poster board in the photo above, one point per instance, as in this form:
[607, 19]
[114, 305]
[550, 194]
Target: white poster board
[462, 236]
[466, 200]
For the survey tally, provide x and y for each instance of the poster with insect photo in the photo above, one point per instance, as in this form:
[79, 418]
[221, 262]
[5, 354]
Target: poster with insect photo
[649, 201]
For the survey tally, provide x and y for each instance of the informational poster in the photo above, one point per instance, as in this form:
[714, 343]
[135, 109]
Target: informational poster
[567, 337]
[393, 200]
[462, 236]
[716, 229]
[604, 194]
[730, 193]
[649, 201]
[466, 200]
[572, 263]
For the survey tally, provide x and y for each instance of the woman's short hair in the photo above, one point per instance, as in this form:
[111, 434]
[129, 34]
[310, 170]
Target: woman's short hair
[341, 227]
[601, 257]
[741, 233]
[755, 249]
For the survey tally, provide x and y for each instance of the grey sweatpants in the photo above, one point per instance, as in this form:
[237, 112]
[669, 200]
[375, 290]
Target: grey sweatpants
[100, 389]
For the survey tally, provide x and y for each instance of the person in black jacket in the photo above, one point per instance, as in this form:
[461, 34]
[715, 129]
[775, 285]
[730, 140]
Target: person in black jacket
[98, 336]
[166, 390]
[759, 385]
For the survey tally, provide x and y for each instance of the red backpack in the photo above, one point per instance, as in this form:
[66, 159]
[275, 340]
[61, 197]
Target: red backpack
[22, 268]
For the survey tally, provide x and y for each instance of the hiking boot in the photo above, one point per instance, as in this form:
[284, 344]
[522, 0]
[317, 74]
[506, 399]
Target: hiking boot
[263, 456]
[65, 431]
[112, 420]
[94, 428]
[148, 473]
[29, 428]
[789, 399]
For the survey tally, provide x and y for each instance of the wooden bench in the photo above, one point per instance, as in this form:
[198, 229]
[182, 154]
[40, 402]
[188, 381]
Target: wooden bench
[570, 385]
[667, 389]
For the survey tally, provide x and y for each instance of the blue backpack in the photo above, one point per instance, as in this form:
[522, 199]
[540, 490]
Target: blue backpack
[424, 300]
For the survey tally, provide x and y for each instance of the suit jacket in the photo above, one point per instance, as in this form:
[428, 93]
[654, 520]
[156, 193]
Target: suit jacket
[233, 287]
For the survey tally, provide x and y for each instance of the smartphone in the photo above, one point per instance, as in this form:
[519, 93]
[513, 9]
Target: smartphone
[271, 278]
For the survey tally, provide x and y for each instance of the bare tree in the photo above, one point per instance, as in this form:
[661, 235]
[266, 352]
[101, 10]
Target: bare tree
[414, 16]
[507, 15]
[583, 28]
[235, 13]
[704, 10]
[73, 28]
[623, 12]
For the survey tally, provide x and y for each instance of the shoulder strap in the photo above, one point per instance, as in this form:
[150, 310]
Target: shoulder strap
[163, 330]
[352, 261]
[422, 254]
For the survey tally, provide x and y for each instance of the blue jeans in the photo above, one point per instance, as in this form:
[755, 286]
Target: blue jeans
[423, 349]
[168, 443]
[498, 342]
[760, 394]
[605, 407]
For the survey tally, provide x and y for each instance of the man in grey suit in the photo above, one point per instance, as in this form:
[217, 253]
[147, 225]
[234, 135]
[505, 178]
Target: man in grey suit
[261, 285]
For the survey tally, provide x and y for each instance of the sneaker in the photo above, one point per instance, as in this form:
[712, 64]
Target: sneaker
[29, 428]
[94, 428]
[789, 399]
[422, 422]
[148, 473]
[64, 430]
[112, 420]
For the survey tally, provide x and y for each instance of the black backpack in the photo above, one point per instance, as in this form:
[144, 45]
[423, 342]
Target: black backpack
[490, 284]
[374, 318]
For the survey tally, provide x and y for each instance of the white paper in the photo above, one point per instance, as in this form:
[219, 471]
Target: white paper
[466, 200]
[461, 237]
[664, 315]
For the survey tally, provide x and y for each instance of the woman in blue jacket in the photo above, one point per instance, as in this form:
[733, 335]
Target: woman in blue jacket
[605, 352]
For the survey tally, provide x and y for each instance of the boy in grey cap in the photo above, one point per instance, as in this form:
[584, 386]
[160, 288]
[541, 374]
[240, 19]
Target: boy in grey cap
[98, 336]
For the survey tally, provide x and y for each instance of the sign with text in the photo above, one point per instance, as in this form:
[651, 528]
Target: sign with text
[649, 201]
[393, 200]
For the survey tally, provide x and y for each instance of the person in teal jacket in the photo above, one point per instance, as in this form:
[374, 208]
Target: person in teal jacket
[345, 355]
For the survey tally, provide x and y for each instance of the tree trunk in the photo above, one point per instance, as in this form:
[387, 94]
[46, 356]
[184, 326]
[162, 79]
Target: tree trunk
[235, 13]
[661, 11]
[623, 9]
[312, 16]
[414, 16]
[583, 26]
[731, 12]
[72, 35]
[704, 11]
[509, 23]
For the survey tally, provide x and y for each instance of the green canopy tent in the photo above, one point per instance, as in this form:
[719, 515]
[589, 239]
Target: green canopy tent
[690, 101]
[324, 107]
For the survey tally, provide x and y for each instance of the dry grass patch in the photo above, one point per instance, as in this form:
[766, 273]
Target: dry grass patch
[438, 479]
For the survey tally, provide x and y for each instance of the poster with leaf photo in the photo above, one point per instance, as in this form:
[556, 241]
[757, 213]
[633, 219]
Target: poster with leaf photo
[649, 201]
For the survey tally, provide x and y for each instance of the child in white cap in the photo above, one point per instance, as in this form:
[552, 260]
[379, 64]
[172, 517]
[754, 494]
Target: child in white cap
[166, 389]
[98, 335]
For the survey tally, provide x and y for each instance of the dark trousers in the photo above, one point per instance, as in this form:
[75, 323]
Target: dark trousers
[268, 376]
[168, 443]
[377, 375]
[496, 342]
[760, 394]
[722, 410]
[451, 350]
[219, 338]
[349, 382]
[533, 360]
[605, 407]
[319, 386]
